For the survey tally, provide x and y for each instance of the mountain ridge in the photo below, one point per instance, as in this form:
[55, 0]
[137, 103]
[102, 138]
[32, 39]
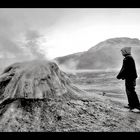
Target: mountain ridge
[104, 55]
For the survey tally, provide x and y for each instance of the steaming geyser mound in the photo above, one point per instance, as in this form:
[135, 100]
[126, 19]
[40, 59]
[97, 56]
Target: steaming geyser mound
[32, 95]
[34, 80]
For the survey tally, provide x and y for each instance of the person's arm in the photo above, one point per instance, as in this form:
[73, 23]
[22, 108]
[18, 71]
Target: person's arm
[121, 74]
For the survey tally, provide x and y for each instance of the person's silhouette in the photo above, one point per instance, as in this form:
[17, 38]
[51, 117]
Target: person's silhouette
[128, 73]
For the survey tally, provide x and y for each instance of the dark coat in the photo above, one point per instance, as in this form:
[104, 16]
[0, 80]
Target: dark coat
[128, 70]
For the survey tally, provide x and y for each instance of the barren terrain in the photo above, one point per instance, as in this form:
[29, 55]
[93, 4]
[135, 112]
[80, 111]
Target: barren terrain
[78, 101]
[104, 86]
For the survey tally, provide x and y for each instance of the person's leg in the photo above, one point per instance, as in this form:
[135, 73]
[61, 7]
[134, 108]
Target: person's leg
[133, 100]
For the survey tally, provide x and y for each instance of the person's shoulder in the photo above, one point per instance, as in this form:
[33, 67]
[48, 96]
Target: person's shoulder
[129, 59]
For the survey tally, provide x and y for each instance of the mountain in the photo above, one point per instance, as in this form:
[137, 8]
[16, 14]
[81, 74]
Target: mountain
[104, 55]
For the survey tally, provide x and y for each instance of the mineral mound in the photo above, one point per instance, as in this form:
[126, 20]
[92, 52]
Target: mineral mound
[33, 95]
[34, 80]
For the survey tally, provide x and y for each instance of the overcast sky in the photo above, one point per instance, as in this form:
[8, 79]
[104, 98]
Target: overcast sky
[53, 32]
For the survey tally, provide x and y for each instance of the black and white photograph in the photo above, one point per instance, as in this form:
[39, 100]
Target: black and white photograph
[69, 69]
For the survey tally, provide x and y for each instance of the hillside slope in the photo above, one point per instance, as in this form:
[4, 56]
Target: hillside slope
[104, 55]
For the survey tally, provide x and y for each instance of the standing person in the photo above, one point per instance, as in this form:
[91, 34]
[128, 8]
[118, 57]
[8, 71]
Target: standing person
[129, 74]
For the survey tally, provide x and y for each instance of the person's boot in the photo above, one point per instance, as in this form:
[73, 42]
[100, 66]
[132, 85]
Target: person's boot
[138, 107]
[131, 108]
[126, 106]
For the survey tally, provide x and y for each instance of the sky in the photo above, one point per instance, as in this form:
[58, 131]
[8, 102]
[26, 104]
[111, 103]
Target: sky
[52, 32]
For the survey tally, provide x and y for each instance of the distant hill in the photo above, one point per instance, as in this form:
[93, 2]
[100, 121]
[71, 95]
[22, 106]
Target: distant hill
[104, 55]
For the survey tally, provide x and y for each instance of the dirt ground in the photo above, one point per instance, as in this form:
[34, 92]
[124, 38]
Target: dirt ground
[104, 86]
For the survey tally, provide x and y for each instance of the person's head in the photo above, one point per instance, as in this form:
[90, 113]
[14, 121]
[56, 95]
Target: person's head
[126, 51]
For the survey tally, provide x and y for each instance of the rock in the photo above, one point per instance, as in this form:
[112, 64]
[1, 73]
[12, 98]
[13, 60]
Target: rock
[103, 93]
